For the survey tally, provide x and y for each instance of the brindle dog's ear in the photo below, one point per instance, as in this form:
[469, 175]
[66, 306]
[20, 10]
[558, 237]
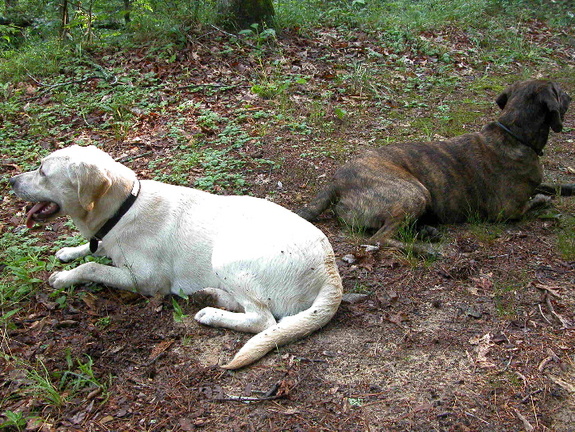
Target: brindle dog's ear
[556, 102]
[93, 183]
[502, 99]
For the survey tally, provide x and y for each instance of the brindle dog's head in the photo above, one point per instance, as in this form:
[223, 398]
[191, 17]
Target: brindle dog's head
[530, 108]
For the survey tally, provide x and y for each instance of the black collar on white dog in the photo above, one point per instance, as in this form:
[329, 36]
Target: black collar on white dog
[110, 223]
[506, 129]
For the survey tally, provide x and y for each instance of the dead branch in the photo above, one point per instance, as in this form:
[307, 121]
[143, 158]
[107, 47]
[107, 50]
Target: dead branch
[548, 289]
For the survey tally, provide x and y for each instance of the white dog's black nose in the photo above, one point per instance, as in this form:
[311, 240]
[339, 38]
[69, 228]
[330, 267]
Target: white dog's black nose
[12, 181]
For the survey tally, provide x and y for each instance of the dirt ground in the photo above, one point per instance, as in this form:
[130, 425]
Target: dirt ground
[480, 339]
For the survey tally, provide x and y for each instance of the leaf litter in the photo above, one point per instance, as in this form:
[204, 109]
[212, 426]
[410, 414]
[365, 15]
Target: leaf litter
[456, 344]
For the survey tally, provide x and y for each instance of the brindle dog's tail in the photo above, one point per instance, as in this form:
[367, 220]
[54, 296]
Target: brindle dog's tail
[294, 327]
[324, 199]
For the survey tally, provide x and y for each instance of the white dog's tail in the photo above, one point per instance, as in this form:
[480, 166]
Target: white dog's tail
[291, 328]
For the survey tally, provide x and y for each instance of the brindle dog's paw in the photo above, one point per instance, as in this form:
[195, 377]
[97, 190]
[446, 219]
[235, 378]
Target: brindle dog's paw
[426, 252]
[416, 249]
[539, 201]
[429, 233]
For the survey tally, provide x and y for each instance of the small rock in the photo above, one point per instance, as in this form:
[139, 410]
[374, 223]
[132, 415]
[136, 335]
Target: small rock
[352, 298]
[474, 313]
[349, 258]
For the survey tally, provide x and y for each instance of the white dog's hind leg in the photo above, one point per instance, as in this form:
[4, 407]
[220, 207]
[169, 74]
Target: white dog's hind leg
[93, 272]
[252, 321]
[71, 253]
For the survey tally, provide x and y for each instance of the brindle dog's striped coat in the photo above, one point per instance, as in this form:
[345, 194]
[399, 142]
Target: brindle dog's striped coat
[493, 174]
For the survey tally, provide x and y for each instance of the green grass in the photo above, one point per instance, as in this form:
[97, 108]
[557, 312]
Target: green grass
[23, 258]
[566, 238]
[57, 388]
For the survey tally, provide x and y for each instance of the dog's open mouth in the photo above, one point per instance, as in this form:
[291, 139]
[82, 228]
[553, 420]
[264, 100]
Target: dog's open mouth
[41, 212]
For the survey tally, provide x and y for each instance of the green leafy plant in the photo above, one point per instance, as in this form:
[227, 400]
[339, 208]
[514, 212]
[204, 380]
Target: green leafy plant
[21, 279]
[80, 377]
[259, 35]
[103, 322]
[14, 420]
[179, 314]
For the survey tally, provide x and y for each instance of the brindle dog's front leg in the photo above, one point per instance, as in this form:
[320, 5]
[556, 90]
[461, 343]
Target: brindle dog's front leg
[556, 189]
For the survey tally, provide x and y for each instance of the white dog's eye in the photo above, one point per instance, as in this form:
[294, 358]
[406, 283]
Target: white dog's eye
[41, 171]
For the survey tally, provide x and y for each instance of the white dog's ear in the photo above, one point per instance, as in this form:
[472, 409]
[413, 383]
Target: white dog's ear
[93, 183]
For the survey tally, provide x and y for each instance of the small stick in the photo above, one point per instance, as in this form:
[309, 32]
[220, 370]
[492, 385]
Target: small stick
[526, 424]
[533, 393]
[474, 416]
[131, 158]
[543, 315]
[565, 322]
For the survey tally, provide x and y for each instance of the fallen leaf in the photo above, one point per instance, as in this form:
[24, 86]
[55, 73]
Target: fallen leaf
[484, 345]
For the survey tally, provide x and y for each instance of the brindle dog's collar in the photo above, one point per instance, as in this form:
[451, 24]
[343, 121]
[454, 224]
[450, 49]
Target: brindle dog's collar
[506, 129]
[110, 223]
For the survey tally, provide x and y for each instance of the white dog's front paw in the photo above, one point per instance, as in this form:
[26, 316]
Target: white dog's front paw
[209, 316]
[68, 254]
[61, 279]
[65, 254]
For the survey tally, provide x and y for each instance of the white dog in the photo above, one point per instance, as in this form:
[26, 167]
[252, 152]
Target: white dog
[274, 272]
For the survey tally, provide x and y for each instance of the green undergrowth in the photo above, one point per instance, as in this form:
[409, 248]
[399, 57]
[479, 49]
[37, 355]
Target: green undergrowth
[566, 237]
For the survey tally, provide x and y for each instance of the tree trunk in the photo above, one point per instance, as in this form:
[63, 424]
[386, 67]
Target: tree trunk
[127, 10]
[64, 19]
[241, 14]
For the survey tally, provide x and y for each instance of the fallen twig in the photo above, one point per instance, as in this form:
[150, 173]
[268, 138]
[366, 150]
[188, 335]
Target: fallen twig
[552, 357]
[564, 321]
[233, 36]
[474, 416]
[247, 399]
[528, 397]
[131, 158]
[280, 389]
[528, 426]
[543, 315]
[218, 86]
[548, 289]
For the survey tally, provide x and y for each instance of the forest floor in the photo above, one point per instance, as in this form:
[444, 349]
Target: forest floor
[479, 339]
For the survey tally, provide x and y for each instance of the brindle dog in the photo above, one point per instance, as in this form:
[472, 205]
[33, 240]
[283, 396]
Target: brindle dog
[494, 174]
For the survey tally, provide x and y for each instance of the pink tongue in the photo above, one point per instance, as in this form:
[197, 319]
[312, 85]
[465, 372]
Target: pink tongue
[35, 209]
